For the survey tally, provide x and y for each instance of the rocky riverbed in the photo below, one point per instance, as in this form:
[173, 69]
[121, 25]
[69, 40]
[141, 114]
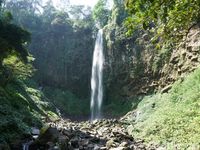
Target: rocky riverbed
[108, 134]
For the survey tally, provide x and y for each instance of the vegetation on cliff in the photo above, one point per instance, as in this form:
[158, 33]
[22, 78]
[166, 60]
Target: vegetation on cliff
[170, 119]
[151, 67]
[58, 44]
[168, 20]
[23, 105]
[150, 45]
[149, 58]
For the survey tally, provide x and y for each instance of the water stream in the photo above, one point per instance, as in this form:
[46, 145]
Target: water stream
[97, 78]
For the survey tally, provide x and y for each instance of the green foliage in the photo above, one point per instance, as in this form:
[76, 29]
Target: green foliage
[19, 69]
[28, 6]
[81, 17]
[16, 116]
[12, 38]
[118, 13]
[173, 117]
[22, 105]
[162, 57]
[101, 13]
[61, 52]
[167, 19]
[117, 107]
[1, 2]
[67, 102]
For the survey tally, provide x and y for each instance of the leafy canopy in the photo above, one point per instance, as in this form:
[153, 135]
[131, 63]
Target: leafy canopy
[101, 13]
[168, 19]
[12, 38]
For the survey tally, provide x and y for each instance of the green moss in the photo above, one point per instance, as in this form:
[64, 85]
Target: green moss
[53, 116]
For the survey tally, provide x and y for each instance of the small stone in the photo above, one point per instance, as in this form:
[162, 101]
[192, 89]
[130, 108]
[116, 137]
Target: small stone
[35, 137]
[103, 148]
[67, 133]
[194, 58]
[55, 148]
[109, 143]
[50, 144]
[74, 143]
[84, 142]
[95, 140]
[141, 146]
[96, 147]
[90, 146]
[35, 131]
[124, 144]
[115, 121]
[94, 122]
[118, 148]
[63, 141]
[166, 89]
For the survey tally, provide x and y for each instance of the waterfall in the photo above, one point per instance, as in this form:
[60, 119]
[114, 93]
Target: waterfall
[97, 78]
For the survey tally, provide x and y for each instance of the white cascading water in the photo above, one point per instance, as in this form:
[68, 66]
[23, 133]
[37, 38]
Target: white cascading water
[97, 78]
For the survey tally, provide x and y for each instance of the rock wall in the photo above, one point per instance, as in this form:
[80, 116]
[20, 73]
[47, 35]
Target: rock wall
[134, 66]
[184, 59]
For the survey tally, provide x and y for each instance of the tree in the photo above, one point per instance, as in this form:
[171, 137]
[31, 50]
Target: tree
[58, 44]
[167, 19]
[81, 17]
[30, 6]
[1, 3]
[12, 38]
[101, 13]
[118, 12]
[24, 11]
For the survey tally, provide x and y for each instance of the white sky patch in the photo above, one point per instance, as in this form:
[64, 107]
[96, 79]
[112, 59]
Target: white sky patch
[90, 3]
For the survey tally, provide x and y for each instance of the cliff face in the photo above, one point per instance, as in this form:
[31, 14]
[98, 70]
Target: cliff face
[62, 57]
[134, 66]
[184, 59]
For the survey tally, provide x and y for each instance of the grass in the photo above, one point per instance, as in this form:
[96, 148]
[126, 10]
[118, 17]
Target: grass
[171, 118]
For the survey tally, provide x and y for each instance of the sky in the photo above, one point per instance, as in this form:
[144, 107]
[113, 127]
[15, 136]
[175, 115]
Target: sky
[90, 3]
